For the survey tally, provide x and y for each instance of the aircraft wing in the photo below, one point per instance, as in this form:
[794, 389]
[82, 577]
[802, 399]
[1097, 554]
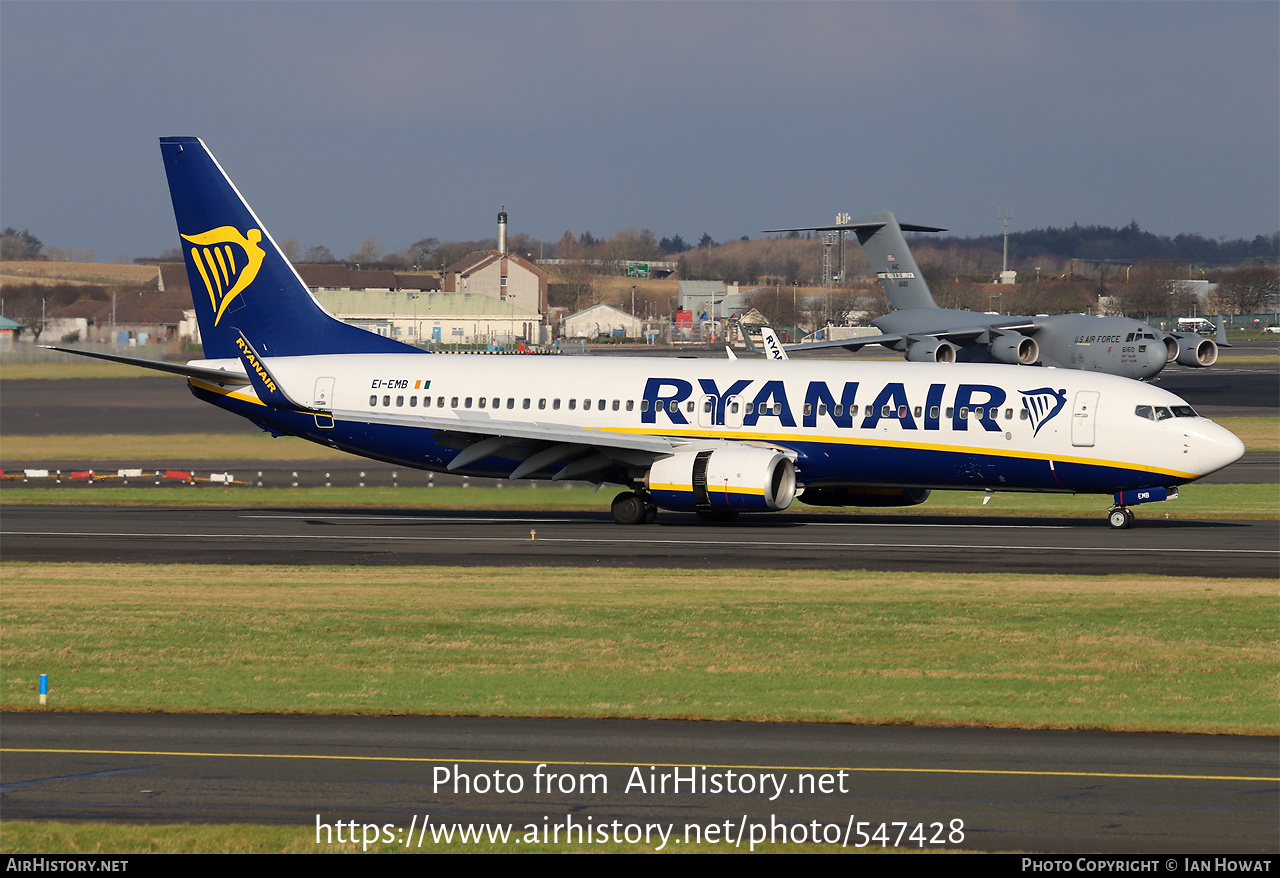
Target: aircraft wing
[475, 423]
[899, 340]
[569, 452]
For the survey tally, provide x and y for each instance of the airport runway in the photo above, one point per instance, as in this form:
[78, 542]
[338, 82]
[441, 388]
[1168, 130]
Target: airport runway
[1068, 792]
[776, 542]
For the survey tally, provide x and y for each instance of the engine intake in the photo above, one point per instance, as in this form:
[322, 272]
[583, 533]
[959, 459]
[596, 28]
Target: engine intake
[1016, 350]
[932, 350]
[737, 478]
[1196, 351]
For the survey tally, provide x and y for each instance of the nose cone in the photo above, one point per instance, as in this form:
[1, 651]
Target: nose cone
[1219, 447]
[1152, 360]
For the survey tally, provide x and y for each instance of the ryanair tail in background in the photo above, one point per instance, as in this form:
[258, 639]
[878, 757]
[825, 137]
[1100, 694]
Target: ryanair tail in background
[240, 281]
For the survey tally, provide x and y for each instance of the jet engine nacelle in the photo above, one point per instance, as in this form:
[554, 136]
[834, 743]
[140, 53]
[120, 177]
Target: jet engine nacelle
[1016, 350]
[932, 350]
[1196, 351]
[864, 496]
[733, 478]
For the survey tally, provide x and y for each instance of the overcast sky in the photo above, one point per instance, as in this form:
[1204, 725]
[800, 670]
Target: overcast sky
[406, 120]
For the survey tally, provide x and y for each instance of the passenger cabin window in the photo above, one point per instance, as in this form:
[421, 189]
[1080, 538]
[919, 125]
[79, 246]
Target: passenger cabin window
[822, 408]
[644, 405]
[631, 404]
[933, 412]
[573, 404]
[386, 400]
[511, 403]
[1008, 414]
[853, 410]
[481, 402]
[399, 402]
[526, 403]
[440, 402]
[556, 405]
[586, 405]
[468, 402]
[601, 406]
[373, 400]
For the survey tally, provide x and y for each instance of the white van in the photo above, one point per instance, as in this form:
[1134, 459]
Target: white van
[1196, 324]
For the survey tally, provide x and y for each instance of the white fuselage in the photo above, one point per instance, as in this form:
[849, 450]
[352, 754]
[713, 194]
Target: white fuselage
[842, 422]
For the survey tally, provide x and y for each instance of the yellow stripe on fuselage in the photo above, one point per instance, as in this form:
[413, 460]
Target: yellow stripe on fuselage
[789, 439]
[225, 391]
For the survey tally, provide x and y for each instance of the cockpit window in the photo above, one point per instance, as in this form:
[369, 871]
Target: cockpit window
[1184, 411]
[1145, 411]
[1163, 413]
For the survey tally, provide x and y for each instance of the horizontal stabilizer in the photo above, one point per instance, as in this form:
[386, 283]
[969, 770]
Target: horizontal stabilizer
[217, 376]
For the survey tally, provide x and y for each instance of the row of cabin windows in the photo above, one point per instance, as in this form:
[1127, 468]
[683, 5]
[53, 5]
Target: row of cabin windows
[496, 402]
[709, 404]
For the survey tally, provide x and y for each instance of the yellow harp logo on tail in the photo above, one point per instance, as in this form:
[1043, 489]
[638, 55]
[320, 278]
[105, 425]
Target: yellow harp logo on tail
[227, 261]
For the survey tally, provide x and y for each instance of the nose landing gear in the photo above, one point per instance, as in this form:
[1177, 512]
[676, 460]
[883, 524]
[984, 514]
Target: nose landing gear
[1120, 517]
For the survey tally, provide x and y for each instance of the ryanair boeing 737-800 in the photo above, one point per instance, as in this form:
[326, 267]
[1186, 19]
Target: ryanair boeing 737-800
[712, 437]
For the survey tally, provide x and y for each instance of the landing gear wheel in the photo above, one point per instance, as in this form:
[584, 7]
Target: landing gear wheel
[650, 512]
[629, 508]
[1120, 518]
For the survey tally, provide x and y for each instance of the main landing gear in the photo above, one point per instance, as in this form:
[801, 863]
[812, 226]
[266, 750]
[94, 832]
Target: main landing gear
[1120, 517]
[632, 507]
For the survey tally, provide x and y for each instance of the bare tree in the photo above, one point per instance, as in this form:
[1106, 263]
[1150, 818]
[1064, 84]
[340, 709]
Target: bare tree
[1249, 290]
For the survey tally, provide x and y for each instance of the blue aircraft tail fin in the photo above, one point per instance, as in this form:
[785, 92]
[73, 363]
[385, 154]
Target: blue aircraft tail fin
[240, 281]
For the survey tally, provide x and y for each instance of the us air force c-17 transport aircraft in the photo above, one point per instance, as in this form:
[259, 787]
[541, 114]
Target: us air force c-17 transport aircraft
[714, 437]
[926, 333]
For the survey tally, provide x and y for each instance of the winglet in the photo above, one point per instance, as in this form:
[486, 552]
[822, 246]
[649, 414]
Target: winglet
[267, 387]
[773, 349]
[1221, 339]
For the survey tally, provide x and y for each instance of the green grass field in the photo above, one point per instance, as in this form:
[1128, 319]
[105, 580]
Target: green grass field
[1126, 653]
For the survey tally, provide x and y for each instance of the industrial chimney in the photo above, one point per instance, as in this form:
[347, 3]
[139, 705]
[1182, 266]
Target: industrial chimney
[502, 230]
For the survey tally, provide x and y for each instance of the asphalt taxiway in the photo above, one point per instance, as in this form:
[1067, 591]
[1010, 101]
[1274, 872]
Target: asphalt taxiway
[776, 542]
[968, 789]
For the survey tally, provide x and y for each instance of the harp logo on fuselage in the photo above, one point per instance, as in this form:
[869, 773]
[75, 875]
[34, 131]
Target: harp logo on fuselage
[1042, 404]
[227, 262]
